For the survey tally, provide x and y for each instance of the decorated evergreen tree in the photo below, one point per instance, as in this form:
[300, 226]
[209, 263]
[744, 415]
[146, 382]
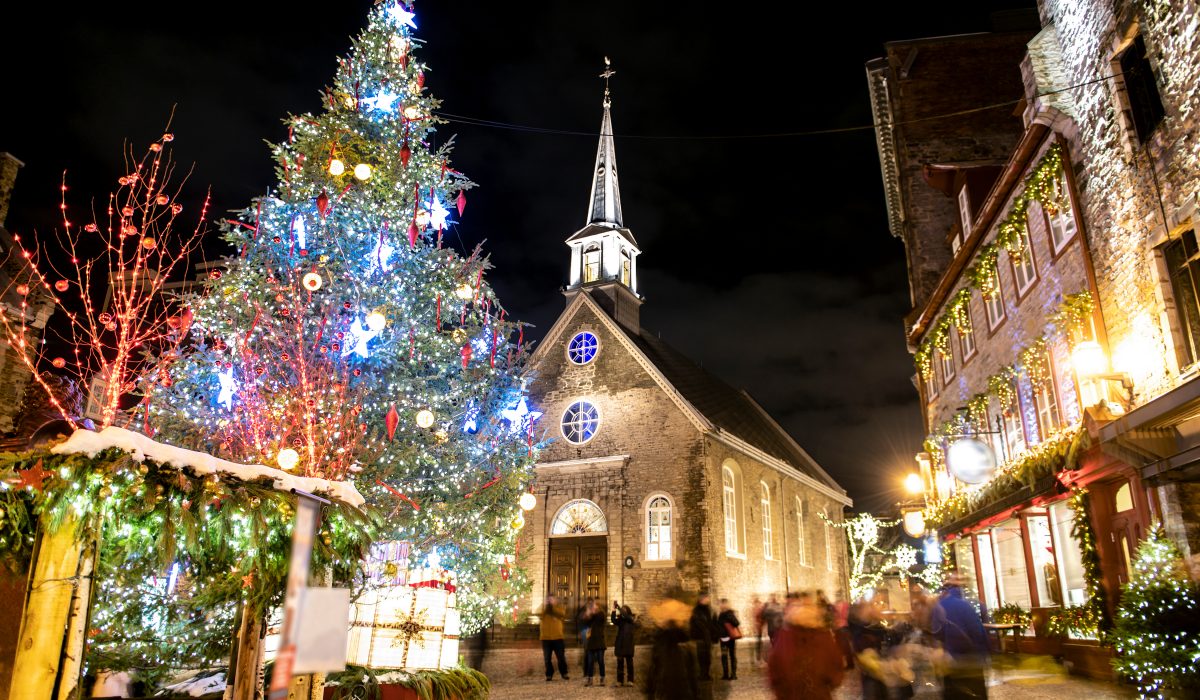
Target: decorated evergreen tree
[1157, 634]
[344, 340]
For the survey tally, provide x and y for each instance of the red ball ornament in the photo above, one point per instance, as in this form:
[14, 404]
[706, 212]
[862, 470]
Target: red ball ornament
[22, 289]
[62, 285]
[323, 203]
[58, 362]
[462, 201]
[405, 154]
[466, 355]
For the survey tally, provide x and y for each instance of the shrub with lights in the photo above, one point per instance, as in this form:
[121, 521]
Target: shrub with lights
[1157, 633]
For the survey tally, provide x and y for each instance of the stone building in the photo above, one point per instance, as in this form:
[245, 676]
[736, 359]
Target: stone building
[1060, 337]
[660, 477]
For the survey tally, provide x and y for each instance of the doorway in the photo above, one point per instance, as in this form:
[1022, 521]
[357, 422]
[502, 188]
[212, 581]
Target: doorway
[578, 570]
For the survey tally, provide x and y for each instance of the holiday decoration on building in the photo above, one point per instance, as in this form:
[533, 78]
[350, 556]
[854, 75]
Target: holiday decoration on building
[870, 563]
[1157, 633]
[335, 343]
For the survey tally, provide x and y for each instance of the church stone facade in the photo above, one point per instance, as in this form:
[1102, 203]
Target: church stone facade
[660, 477]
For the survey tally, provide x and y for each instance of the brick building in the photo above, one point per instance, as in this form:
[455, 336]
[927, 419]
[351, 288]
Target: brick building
[661, 477]
[1060, 332]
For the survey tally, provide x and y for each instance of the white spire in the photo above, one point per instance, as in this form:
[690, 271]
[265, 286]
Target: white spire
[605, 202]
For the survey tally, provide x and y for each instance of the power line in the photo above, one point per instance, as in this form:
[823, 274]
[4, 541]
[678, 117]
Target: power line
[492, 124]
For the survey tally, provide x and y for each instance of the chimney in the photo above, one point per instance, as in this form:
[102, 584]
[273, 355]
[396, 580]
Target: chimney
[8, 176]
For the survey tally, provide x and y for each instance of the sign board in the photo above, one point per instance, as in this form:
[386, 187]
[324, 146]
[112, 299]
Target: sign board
[321, 630]
[971, 460]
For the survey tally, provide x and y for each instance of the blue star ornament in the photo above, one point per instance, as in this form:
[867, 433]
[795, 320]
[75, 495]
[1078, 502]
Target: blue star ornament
[357, 339]
[520, 416]
[383, 101]
[438, 215]
[229, 387]
[401, 16]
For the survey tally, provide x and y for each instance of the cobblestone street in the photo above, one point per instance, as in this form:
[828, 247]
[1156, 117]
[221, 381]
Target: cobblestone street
[517, 675]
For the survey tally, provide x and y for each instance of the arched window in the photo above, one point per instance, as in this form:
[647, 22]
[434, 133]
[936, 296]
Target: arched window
[626, 268]
[583, 348]
[658, 529]
[830, 540]
[768, 539]
[731, 501]
[580, 422]
[1123, 500]
[579, 517]
[591, 263]
[805, 546]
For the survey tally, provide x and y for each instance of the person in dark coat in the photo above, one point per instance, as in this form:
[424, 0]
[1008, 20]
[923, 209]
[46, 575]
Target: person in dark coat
[623, 646]
[673, 673]
[700, 628]
[805, 661]
[955, 622]
[730, 631]
[594, 650]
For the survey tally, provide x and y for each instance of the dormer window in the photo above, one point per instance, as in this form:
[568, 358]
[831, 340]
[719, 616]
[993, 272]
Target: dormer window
[591, 263]
[626, 269]
[964, 211]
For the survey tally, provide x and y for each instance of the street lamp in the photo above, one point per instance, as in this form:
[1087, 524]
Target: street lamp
[1091, 363]
[914, 484]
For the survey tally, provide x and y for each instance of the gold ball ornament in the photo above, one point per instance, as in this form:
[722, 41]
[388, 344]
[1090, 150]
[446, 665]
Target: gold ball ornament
[311, 281]
[376, 321]
[459, 335]
[287, 459]
[465, 291]
[441, 437]
[412, 112]
[424, 418]
[518, 522]
[336, 167]
[422, 218]
[528, 501]
[362, 171]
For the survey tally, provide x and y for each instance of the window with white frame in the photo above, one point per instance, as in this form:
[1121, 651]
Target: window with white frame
[964, 211]
[804, 545]
[967, 338]
[1014, 428]
[994, 305]
[591, 263]
[931, 383]
[729, 500]
[830, 541]
[580, 422]
[947, 359]
[1060, 214]
[1024, 267]
[658, 529]
[1045, 397]
[768, 535]
[626, 268]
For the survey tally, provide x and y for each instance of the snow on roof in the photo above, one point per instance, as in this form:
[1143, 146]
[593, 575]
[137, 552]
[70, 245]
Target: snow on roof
[141, 447]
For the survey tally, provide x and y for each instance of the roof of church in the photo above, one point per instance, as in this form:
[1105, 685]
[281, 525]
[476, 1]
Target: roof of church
[593, 229]
[730, 409]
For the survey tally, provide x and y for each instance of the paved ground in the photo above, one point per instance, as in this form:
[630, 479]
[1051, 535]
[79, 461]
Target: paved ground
[517, 674]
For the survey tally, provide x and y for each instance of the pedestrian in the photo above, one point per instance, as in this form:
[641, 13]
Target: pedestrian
[701, 627]
[867, 635]
[615, 613]
[593, 658]
[774, 617]
[757, 609]
[841, 628]
[581, 622]
[955, 622]
[826, 607]
[731, 632]
[551, 633]
[673, 672]
[623, 646]
[805, 662]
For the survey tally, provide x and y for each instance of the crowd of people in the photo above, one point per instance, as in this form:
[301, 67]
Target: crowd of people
[806, 643]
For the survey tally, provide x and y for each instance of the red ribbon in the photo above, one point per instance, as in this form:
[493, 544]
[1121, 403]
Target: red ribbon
[397, 494]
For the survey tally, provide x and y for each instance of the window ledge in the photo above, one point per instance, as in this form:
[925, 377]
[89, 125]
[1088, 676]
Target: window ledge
[658, 563]
[735, 555]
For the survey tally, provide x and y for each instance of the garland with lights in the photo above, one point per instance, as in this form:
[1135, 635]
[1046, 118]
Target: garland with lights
[345, 340]
[1096, 617]
[1157, 632]
[1054, 454]
[1012, 614]
[226, 541]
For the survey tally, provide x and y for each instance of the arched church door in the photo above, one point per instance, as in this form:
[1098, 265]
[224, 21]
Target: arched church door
[579, 555]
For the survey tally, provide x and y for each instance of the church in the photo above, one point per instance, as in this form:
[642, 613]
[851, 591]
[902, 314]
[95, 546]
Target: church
[659, 476]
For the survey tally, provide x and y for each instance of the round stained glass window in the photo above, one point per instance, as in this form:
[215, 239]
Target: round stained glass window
[583, 348]
[580, 422]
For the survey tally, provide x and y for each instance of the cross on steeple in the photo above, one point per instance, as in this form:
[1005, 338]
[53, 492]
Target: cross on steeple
[608, 73]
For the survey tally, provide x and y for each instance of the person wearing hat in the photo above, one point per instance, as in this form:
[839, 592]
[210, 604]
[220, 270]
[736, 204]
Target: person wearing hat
[673, 672]
[955, 622]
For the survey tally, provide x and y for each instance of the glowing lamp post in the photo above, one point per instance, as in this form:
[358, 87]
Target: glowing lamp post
[1091, 365]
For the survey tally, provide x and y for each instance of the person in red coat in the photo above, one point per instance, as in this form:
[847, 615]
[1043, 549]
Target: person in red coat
[805, 660]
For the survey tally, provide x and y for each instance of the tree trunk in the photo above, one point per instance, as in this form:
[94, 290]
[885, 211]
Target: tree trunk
[80, 616]
[48, 614]
[245, 664]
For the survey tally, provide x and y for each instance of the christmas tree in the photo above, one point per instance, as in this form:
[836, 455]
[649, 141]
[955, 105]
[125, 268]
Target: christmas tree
[1157, 634]
[345, 340]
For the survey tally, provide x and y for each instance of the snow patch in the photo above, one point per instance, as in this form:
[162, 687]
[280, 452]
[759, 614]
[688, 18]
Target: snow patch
[141, 448]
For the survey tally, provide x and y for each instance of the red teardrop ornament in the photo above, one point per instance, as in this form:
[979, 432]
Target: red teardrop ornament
[466, 355]
[391, 420]
[462, 201]
[323, 203]
[412, 234]
[405, 154]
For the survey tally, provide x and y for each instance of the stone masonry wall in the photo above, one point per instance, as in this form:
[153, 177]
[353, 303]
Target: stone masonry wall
[1026, 317]
[1121, 203]
[666, 456]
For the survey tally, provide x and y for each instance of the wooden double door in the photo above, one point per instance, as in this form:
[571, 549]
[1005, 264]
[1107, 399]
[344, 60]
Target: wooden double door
[578, 570]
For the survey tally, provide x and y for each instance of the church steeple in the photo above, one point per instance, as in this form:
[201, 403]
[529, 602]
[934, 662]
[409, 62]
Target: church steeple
[604, 253]
[606, 195]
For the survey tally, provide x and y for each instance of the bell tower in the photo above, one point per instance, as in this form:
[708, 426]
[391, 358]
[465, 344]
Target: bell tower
[604, 252]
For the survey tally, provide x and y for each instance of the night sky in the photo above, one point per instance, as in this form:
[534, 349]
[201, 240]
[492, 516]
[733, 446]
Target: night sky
[767, 259]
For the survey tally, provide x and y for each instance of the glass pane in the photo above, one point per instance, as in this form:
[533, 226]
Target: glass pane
[1010, 564]
[1045, 566]
[1124, 499]
[965, 559]
[987, 570]
[1070, 559]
